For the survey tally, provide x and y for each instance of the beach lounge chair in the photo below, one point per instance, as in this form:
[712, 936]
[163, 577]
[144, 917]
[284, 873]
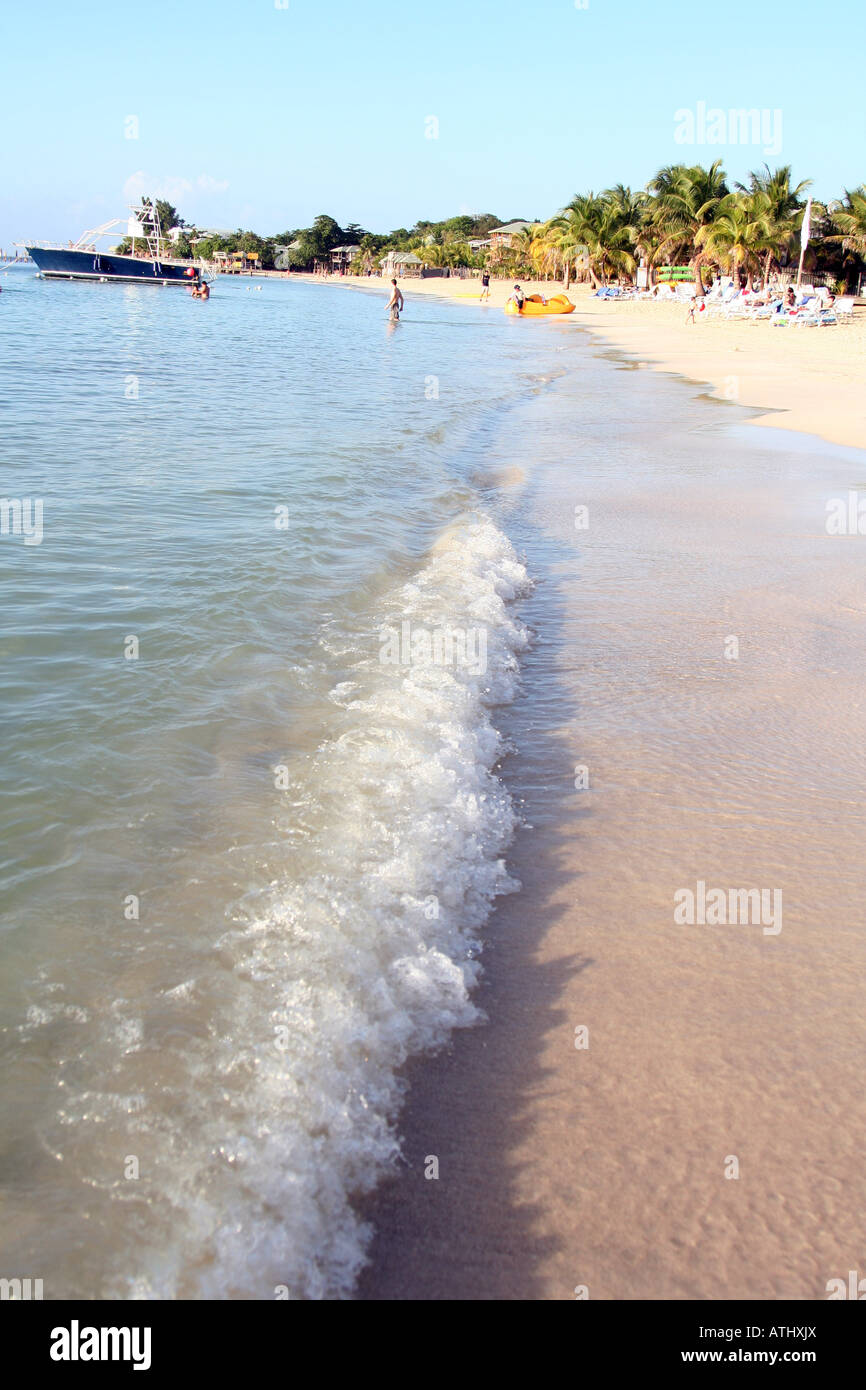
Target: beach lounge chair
[814, 315]
[727, 297]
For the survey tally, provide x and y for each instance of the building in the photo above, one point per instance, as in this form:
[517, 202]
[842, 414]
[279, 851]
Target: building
[236, 262]
[283, 257]
[341, 257]
[502, 238]
[398, 263]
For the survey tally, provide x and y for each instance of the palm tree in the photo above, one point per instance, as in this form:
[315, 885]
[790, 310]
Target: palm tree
[580, 232]
[849, 218]
[786, 208]
[623, 228]
[686, 199]
[564, 244]
[842, 225]
[741, 232]
[526, 248]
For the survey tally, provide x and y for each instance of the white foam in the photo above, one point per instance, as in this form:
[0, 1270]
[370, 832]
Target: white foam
[367, 957]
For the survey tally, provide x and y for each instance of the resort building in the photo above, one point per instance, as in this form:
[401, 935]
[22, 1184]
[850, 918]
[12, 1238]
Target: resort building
[341, 257]
[502, 238]
[398, 263]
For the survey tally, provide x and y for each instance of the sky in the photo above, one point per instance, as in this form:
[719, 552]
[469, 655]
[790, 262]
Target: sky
[264, 113]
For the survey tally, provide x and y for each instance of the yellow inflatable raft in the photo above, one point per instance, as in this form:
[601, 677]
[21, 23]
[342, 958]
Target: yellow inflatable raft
[534, 304]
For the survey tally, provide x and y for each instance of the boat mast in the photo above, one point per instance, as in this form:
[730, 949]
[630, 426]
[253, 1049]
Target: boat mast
[153, 233]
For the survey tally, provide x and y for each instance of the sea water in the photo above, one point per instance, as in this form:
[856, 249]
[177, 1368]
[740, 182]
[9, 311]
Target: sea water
[252, 818]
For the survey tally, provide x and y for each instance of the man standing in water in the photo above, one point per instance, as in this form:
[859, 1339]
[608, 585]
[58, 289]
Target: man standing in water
[395, 303]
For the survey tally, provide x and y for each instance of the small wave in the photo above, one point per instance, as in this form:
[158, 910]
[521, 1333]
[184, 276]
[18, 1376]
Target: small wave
[369, 955]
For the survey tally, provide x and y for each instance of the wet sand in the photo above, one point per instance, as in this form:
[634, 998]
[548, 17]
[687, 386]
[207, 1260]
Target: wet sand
[710, 1047]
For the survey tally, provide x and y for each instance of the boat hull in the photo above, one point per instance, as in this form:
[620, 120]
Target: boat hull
[67, 264]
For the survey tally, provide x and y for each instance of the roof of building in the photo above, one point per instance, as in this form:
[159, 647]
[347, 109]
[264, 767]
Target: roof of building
[404, 257]
[511, 227]
[344, 248]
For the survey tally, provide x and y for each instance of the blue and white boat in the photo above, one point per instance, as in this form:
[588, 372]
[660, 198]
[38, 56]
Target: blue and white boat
[148, 263]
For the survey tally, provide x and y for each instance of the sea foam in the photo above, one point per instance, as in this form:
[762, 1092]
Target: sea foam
[369, 955]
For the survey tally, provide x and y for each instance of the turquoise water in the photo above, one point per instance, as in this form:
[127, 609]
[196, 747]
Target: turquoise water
[247, 854]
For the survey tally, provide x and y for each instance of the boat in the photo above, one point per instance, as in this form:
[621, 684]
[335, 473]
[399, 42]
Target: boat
[153, 264]
[534, 304]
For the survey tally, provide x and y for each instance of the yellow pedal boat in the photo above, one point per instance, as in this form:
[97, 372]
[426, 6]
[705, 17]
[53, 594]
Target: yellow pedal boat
[534, 304]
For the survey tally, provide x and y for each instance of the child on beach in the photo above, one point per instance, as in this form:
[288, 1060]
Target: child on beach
[485, 286]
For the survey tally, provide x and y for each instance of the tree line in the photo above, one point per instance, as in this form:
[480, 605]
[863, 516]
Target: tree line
[687, 215]
[692, 215]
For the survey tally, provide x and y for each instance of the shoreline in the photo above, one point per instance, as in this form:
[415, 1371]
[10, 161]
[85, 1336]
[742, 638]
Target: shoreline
[805, 380]
[604, 1169]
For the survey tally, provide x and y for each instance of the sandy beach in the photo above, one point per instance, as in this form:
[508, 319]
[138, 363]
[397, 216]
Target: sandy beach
[702, 1138]
[797, 379]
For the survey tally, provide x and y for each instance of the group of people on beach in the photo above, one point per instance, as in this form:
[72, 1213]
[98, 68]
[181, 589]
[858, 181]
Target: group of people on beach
[772, 299]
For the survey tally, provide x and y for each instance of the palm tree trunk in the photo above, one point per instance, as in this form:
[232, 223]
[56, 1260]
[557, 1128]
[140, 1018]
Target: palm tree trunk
[767, 265]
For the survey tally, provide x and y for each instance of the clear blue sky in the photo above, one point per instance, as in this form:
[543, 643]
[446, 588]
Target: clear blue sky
[263, 117]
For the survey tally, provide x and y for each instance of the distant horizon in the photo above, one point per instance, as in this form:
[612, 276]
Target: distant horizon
[169, 192]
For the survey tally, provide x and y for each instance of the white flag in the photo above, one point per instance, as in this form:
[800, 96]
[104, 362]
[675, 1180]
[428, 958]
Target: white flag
[806, 229]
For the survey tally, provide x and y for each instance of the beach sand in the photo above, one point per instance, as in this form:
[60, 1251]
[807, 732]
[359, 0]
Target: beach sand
[708, 1141]
[810, 380]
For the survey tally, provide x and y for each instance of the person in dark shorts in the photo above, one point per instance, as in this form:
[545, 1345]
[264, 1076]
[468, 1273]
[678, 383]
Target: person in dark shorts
[485, 285]
[395, 303]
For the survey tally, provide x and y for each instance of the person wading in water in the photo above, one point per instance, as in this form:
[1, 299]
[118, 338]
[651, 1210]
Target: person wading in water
[395, 303]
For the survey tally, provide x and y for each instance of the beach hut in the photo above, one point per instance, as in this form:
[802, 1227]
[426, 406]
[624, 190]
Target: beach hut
[341, 257]
[399, 263]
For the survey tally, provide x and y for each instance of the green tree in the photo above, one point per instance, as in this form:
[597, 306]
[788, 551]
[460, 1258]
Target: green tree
[686, 198]
[785, 207]
[849, 221]
[741, 233]
[167, 215]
